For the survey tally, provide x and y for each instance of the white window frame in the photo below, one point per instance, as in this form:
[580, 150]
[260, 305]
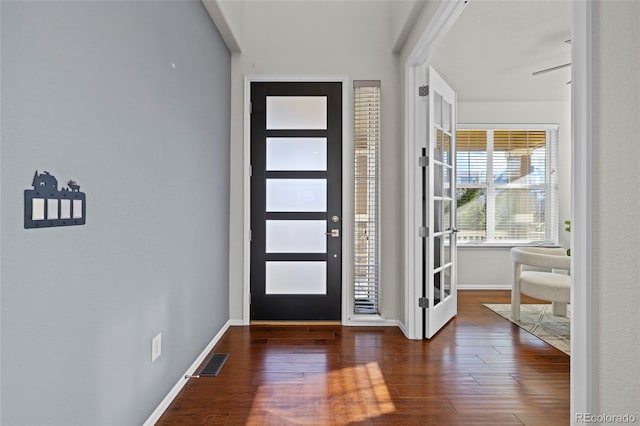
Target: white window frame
[550, 186]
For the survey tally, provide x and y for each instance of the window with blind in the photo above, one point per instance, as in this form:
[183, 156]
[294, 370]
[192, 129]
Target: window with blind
[507, 185]
[366, 134]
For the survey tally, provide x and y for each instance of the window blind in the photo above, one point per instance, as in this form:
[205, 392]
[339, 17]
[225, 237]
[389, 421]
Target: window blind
[366, 200]
[507, 185]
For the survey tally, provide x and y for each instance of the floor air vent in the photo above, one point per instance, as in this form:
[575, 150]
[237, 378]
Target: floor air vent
[214, 365]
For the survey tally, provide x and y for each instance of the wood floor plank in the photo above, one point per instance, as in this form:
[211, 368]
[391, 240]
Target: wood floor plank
[479, 370]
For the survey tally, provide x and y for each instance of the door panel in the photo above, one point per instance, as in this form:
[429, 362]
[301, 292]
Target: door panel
[296, 159]
[439, 271]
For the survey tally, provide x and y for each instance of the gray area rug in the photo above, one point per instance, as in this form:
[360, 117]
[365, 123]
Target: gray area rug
[540, 321]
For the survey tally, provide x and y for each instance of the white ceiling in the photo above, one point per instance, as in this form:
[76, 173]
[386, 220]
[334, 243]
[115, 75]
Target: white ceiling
[493, 48]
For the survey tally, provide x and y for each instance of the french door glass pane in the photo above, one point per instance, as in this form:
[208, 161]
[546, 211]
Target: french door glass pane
[437, 180]
[437, 106]
[437, 216]
[283, 277]
[437, 288]
[296, 195]
[446, 115]
[296, 236]
[446, 146]
[297, 112]
[447, 248]
[446, 181]
[437, 149]
[446, 217]
[437, 252]
[296, 154]
[446, 281]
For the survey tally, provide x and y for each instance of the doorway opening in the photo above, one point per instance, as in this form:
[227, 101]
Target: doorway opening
[296, 200]
[580, 125]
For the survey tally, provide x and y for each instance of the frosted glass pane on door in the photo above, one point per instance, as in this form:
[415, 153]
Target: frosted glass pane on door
[296, 277]
[297, 154]
[296, 195]
[297, 112]
[296, 236]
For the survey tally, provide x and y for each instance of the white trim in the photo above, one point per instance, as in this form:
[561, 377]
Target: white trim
[407, 27]
[484, 287]
[370, 321]
[584, 14]
[164, 404]
[582, 155]
[415, 76]
[442, 21]
[222, 25]
[511, 126]
[347, 183]
[404, 330]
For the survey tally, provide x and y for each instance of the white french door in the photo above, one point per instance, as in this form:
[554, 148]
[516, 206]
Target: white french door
[439, 281]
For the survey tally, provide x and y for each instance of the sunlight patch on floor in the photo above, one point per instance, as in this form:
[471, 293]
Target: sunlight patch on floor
[350, 394]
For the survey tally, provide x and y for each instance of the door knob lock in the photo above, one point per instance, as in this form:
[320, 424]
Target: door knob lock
[333, 233]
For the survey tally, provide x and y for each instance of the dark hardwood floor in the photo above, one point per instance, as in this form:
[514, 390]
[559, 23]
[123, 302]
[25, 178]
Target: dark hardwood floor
[479, 370]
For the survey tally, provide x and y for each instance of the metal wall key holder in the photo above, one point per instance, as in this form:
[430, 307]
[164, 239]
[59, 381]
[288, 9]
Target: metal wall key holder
[45, 206]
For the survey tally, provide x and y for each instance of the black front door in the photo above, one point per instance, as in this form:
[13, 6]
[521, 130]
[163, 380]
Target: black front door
[296, 201]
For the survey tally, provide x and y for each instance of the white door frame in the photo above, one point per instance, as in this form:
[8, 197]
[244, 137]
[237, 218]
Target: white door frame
[347, 186]
[415, 107]
[582, 156]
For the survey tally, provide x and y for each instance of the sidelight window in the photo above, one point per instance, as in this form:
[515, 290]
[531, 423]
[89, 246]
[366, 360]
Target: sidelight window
[366, 236]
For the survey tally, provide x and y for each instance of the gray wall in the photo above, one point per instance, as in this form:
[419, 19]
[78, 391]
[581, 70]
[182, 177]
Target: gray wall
[89, 93]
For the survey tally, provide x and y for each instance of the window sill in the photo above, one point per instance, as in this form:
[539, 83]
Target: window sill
[506, 244]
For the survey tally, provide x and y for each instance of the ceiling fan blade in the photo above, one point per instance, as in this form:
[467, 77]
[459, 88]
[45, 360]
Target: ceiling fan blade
[551, 69]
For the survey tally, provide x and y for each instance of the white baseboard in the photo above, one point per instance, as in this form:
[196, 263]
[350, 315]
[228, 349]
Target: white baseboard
[403, 329]
[157, 413]
[369, 321]
[235, 322]
[484, 286]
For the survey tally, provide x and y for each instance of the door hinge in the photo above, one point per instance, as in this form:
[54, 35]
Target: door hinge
[423, 302]
[250, 170]
[250, 108]
[423, 161]
[423, 232]
[423, 91]
[250, 234]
